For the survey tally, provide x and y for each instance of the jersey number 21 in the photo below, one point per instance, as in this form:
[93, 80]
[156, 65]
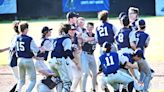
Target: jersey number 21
[102, 31]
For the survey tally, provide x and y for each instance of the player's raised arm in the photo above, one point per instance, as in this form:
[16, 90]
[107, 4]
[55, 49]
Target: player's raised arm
[5, 49]
[35, 49]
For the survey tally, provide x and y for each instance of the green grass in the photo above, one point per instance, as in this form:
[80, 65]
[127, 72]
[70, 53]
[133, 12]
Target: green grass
[155, 28]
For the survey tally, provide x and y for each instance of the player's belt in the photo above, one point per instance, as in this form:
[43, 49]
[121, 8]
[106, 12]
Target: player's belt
[90, 53]
[111, 73]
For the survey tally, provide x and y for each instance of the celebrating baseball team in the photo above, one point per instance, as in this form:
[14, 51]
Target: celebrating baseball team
[71, 60]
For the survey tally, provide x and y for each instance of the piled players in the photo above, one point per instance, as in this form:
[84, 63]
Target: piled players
[72, 54]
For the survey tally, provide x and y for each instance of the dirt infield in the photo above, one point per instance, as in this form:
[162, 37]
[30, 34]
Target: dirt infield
[157, 84]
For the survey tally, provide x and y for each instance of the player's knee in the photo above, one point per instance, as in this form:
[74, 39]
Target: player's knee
[33, 79]
[85, 75]
[94, 75]
[22, 82]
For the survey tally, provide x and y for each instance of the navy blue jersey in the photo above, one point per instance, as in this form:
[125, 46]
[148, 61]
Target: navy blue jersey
[122, 38]
[75, 39]
[105, 33]
[133, 26]
[109, 62]
[23, 46]
[13, 58]
[141, 39]
[129, 56]
[58, 51]
[89, 47]
[45, 54]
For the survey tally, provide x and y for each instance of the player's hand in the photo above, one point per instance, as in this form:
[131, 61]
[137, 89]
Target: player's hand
[99, 73]
[140, 83]
[80, 40]
[42, 49]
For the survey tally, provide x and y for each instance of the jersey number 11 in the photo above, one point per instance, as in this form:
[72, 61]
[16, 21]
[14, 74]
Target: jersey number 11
[109, 61]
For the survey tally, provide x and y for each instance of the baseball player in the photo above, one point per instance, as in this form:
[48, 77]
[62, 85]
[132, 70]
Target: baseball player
[62, 54]
[26, 49]
[51, 79]
[133, 14]
[72, 18]
[110, 64]
[124, 39]
[128, 71]
[81, 24]
[12, 54]
[87, 58]
[142, 37]
[145, 70]
[105, 32]
[74, 65]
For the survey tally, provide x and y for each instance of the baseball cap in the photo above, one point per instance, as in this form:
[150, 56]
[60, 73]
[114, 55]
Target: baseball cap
[106, 45]
[46, 29]
[72, 14]
[141, 22]
[73, 27]
[125, 20]
[139, 53]
[121, 15]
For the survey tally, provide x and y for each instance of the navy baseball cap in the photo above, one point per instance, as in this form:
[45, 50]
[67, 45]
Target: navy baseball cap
[125, 20]
[106, 45]
[122, 14]
[46, 29]
[72, 14]
[139, 53]
[142, 22]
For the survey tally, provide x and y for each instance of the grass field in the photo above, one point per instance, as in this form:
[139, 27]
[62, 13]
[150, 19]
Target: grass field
[155, 27]
[154, 53]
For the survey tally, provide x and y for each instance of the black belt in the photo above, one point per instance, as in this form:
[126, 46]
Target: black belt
[111, 73]
[90, 53]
